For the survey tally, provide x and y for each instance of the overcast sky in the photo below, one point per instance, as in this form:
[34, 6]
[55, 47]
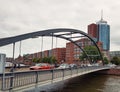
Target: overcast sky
[24, 16]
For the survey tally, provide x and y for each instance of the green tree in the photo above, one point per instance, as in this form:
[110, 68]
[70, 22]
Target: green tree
[92, 52]
[48, 60]
[115, 60]
[53, 59]
[36, 60]
[106, 61]
[45, 60]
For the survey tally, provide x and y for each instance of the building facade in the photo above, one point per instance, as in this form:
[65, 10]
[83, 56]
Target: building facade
[100, 32]
[93, 31]
[69, 52]
[59, 54]
[104, 34]
[73, 52]
[114, 53]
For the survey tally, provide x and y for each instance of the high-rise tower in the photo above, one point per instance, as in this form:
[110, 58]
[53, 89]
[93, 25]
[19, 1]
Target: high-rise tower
[104, 33]
[101, 33]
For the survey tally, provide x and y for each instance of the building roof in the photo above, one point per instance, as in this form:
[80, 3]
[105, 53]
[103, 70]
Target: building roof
[101, 21]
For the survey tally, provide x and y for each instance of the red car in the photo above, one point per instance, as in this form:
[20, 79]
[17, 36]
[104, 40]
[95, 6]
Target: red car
[41, 66]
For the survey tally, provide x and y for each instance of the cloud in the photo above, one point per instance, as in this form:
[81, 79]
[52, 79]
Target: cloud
[24, 16]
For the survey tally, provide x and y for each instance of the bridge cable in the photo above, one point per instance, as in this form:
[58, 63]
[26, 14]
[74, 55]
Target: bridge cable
[41, 56]
[52, 49]
[56, 42]
[71, 45]
[12, 69]
[20, 48]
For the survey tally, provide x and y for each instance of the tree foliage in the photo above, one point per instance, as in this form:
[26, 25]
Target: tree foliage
[106, 61]
[53, 59]
[36, 60]
[92, 52]
[115, 60]
[50, 60]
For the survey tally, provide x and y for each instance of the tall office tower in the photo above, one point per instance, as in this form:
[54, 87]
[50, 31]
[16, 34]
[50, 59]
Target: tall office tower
[92, 31]
[104, 34]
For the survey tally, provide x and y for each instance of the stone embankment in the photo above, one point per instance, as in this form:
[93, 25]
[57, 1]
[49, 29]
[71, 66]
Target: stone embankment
[112, 71]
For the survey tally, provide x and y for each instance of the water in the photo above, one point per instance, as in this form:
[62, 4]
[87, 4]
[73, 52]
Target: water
[86, 83]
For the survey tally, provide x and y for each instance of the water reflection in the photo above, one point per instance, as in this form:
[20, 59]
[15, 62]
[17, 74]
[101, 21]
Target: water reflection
[112, 84]
[86, 83]
[92, 83]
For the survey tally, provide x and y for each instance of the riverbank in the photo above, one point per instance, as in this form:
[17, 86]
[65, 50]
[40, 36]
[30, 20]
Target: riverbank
[112, 71]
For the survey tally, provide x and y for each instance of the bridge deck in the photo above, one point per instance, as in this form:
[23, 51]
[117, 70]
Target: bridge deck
[30, 79]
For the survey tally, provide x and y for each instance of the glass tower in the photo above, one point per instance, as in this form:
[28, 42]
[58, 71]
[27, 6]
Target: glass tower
[104, 34]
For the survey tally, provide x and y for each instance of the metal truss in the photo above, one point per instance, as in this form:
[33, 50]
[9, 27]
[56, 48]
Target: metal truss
[64, 33]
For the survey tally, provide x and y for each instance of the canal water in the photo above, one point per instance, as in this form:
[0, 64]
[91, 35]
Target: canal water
[86, 83]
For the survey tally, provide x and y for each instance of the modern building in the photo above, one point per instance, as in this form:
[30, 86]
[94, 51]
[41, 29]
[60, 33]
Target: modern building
[100, 33]
[104, 34]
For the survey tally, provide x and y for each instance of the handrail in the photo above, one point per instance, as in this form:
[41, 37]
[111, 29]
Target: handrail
[21, 79]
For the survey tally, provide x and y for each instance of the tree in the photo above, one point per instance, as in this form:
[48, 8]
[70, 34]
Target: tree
[106, 61]
[53, 59]
[115, 60]
[45, 60]
[36, 60]
[48, 60]
[92, 52]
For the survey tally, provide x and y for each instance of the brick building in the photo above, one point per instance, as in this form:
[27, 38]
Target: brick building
[59, 54]
[92, 30]
[69, 52]
[73, 51]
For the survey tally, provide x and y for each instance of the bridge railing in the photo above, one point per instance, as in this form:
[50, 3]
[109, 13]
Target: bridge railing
[20, 79]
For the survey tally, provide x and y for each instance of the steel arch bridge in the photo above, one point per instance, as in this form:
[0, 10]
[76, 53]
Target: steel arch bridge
[64, 33]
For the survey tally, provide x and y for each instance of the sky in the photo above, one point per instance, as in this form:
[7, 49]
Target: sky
[25, 16]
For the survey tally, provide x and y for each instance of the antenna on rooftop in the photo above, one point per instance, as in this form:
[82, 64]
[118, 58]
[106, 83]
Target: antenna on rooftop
[102, 14]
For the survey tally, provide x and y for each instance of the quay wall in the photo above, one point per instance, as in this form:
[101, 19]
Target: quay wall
[112, 71]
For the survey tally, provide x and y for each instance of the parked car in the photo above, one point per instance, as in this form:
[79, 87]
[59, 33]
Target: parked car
[41, 66]
[89, 65]
[95, 64]
[73, 65]
[63, 66]
[111, 65]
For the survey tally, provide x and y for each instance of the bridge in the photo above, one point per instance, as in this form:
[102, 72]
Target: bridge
[33, 79]
[15, 81]
[64, 33]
